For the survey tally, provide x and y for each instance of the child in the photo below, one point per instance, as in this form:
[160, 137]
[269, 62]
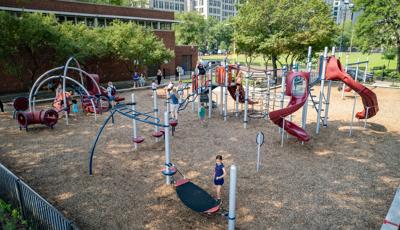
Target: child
[180, 91]
[153, 86]
[174, 104]
[202, 114]
[219, 175]
[142, 80]
[75, 108]
[170, 86]
[135, 80]
[111, 90]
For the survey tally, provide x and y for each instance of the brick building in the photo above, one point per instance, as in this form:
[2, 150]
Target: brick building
[101, 15]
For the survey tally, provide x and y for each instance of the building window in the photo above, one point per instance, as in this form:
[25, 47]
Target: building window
[165, 26]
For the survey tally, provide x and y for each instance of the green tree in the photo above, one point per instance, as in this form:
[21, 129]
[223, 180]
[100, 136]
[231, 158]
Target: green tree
[379, 25]
[136, 46]
[28, 43]
[191, 30]
[220, 32]
[283, 27]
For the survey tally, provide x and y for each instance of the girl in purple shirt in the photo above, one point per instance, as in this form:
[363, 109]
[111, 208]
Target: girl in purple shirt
[219, 175]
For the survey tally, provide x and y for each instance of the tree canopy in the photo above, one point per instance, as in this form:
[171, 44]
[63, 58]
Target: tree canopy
[32, 41]
[283, 27]
[379, 25]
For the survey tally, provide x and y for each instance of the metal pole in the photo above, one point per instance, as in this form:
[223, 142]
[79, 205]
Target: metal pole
[345, 70]
[237, 103]
[305, 107]
[357, 69]
[246, 101]
[199, 93]
[327, 102]
[134, 131]
[366, 71]
[167, 147]
[282, 130]
[283, 88]
[210, 104]
[352, 115]
[167, 102]
[321, 93]
[258, 156]
[155, 108]
[226, 90]
[366, 118]
[232, 198]
[267, 95]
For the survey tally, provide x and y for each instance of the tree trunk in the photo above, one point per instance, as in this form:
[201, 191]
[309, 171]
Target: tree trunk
[274, 66]
[398, 55]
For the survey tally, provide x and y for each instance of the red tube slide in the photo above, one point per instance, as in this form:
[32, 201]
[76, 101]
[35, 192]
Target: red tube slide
[45, 117]
[334, 72]
[297, 88]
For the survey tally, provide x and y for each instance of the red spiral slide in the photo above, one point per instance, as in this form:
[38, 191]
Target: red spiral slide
[297, 100]
[334, 71]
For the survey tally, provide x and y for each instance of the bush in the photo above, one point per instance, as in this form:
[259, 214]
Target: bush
[10, 218]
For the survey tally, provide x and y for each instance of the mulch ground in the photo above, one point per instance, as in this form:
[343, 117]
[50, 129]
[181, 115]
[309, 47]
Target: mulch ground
[332, 182]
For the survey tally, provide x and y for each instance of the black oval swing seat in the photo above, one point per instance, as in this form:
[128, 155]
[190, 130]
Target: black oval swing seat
[195, 197]
[138, 140]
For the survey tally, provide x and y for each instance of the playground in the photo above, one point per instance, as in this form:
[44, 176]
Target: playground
[332, 181]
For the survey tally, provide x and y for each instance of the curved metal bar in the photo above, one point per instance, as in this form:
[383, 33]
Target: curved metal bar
[35, 89]
[74, 81]
[91, 152]
[37, 82]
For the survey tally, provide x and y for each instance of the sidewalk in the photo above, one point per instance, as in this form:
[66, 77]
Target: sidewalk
[122, 86]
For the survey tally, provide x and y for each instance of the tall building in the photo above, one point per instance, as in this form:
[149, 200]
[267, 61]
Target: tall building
[218, 9]
[342, 10]
[169, 5]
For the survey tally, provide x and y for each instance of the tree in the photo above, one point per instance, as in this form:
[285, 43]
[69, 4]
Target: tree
[283, 27]
[191, 30]
[136, 46]
[28, 43]
[378, 25]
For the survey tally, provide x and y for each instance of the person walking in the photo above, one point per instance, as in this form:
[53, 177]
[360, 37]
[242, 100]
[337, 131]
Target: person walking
[159, 76]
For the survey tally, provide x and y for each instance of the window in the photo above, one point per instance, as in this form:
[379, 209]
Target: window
[165, 26]
[90, 22]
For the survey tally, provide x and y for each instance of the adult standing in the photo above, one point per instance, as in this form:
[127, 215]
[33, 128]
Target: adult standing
[136, 78]
[159, 76]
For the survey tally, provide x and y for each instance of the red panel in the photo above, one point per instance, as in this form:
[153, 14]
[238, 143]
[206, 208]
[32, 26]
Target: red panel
[334, 71]
[295, 103]
[213, 210]
[181, 182]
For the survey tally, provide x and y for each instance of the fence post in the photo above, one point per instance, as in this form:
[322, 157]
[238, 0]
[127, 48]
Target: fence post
[20, 198]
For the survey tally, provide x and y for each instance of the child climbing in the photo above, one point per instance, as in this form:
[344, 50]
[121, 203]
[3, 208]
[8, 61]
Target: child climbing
[180, 90]
[174, 104]
[219, 174]
[111, 90]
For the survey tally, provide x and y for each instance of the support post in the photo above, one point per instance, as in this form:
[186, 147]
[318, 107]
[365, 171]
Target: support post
[199, 93]
[237, 103]
[352, 115]
[267, 96]
[210, 104]
[258, 157]
[246, 101]
[327, 102]
[232, 198]
[345, 70]
[366, 71]
[167, 147]
[155, 109]
[283, 88]
[226, 90]
[366, 117]
[134, 128]
[305, 107]
[283, 131]
[321, 93]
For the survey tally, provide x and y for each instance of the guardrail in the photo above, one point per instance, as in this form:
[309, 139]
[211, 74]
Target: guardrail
[39, 213]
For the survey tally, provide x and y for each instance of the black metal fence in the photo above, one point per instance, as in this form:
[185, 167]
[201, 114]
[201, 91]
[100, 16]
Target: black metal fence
[34, 208]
